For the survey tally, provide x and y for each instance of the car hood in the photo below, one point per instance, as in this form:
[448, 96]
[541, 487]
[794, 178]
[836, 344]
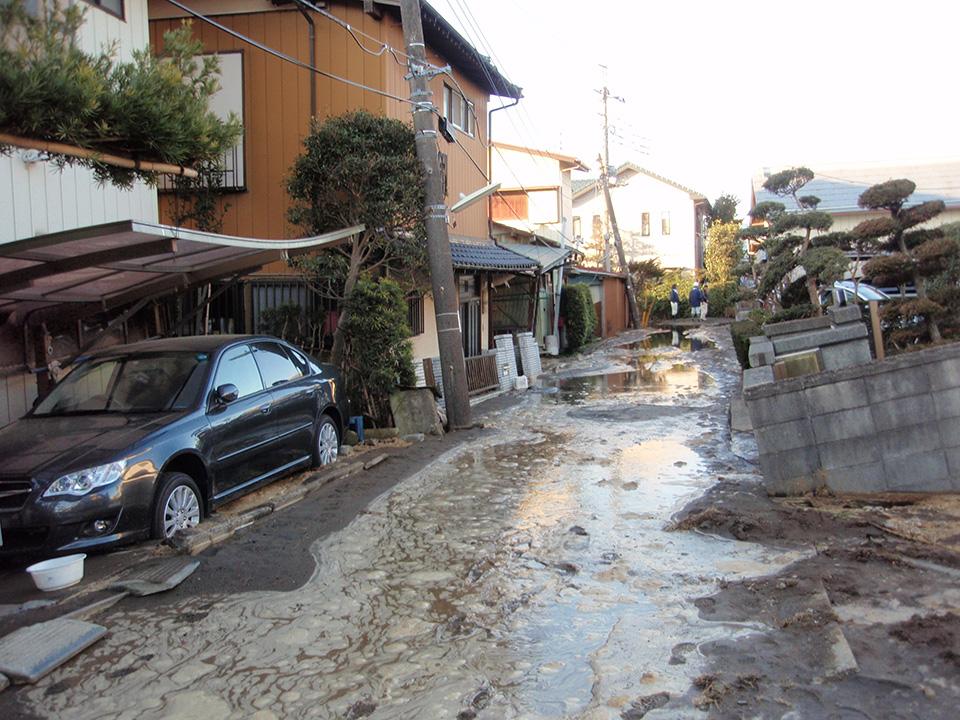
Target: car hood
[47, 446]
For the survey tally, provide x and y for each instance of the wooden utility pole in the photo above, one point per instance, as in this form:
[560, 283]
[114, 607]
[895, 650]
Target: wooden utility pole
[605, 181]
[453, 367]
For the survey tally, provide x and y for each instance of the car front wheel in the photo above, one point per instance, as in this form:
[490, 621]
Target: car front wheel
[177, 507]
[327, 442]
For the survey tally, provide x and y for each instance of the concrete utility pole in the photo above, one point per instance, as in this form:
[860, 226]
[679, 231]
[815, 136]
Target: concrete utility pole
[605, 181]
[453, 366]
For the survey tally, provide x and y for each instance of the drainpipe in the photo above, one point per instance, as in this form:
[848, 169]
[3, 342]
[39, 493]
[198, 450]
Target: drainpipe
[490, 156]
[312, 34]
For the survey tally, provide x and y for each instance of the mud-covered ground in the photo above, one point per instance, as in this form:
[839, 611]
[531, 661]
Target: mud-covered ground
[601, 549]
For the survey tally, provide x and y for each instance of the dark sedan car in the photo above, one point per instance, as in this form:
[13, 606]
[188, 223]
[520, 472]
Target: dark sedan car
[145, 439]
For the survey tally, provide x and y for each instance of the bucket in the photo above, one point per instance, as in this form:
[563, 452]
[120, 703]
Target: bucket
[57, 573]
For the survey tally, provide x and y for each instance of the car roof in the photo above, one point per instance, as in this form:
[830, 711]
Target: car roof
[189, 343]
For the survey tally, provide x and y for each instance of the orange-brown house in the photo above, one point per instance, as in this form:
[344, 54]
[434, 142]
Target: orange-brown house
[273, 97]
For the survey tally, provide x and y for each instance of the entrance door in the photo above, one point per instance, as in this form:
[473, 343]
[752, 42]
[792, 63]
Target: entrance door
[470, 327]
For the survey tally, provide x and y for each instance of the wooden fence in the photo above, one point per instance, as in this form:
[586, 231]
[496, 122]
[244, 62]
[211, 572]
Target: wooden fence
[481, 373]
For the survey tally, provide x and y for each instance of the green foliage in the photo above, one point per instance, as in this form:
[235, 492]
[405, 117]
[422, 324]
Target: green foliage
[724, 209]
[807, 220]
[788, 182]
[776, 268]
[919, 214]
[724, 251]
[885, 270]
[294, 324]
[796, 312]
[827, 264]
[914, 238]
[580, 319]
[357, 169]
[378, 357]
[723, 298]
[657, 297]
[767, 211]
[888, 195]
[795, 293]
[198, 202]
[808, 202]
[875, 228]
[645, 272]
[150, 109]
[740, 332]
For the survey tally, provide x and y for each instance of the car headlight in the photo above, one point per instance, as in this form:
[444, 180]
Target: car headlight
[83, 481]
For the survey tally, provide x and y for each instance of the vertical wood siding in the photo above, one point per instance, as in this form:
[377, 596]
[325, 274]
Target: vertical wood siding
[39, 197]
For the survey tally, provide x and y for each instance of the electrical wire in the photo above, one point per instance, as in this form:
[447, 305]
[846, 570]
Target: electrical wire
[384, 47]
[285, 57]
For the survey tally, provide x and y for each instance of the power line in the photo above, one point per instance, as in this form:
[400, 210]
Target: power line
[284, 56]
[384, 47]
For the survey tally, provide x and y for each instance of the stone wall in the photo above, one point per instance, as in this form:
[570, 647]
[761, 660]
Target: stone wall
[892, 425]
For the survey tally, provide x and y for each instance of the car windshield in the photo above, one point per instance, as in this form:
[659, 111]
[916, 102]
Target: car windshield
[130, 384]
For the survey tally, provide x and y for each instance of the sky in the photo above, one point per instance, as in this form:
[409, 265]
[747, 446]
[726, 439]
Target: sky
[715, 91]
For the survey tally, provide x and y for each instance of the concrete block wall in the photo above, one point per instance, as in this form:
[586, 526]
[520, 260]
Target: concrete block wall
[890, 426]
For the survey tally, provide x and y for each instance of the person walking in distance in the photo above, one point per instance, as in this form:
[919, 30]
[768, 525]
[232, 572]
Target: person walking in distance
[674, 301]
[695, 299]
[704, 299]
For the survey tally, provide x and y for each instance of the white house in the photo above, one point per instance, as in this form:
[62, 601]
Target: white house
[36, 196]
[536, 193]
[658, 218]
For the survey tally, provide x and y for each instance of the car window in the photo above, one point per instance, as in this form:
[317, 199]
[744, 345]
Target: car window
[275, 367]
[237, 367]
[299, 360]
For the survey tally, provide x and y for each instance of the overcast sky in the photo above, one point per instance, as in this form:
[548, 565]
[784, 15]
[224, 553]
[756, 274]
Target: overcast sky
[717, 90]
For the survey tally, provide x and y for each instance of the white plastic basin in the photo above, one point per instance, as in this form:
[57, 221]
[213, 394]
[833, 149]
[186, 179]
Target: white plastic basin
[57, 573]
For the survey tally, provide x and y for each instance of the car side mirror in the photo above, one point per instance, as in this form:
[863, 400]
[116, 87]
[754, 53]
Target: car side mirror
[227, 393]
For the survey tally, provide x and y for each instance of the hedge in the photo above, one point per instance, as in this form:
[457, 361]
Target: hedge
[580, 320]
[741, 331]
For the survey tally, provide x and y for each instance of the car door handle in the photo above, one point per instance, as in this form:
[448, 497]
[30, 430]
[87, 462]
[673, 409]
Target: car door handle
[265, 409]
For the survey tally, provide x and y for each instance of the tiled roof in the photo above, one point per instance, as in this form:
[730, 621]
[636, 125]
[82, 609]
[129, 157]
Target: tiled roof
[579, 185]
[469, 256]
[839, 189]
[546, 257]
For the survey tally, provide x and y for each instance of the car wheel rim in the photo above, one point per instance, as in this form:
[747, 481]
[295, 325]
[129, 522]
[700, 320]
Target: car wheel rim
[327, 444]
[181, 511]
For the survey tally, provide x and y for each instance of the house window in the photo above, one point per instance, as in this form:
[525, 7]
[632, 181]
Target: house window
[458, 110]
[645, 224]
[597, 230]
[577, 229]
[114, 7]
[665, 223]
[228, 99]
[415, 314]
[510, 205]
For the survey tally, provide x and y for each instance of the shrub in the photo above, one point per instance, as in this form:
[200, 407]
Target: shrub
[580, 320]
[795, 312]
[741, 331]
[723, 297]
[377, 356]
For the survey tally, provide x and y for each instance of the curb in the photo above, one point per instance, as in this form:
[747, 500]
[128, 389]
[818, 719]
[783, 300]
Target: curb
[196, 540]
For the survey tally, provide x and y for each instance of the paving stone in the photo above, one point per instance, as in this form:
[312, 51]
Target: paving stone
[156, 577]
[27, 654]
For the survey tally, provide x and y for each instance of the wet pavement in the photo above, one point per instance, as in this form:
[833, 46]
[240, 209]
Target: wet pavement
[526, 574]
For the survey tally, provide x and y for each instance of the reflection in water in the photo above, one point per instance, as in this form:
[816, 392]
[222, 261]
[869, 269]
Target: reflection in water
[667, 338]
[675, 379]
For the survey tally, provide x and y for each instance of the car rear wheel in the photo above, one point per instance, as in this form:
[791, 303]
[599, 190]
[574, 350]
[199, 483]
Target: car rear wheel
[326, 444]
[177, 506]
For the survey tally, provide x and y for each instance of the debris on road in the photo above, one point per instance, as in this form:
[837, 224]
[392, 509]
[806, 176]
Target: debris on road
[27, 654]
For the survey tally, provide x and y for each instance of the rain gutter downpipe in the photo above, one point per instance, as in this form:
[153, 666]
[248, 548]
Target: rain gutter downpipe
[490, 157]
[312, 34]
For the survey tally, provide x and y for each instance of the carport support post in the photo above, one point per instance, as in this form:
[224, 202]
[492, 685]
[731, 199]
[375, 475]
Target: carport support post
[453, 367]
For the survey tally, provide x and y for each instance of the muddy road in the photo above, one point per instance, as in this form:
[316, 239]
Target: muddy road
[530, 571]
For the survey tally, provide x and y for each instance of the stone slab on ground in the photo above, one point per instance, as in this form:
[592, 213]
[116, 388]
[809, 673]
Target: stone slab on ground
[757, 376]
[156, 577]
[415, 411]
[790, 327]
[27, 654]
[739, 415]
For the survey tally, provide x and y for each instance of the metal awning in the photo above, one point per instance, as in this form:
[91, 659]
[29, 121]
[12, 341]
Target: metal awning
[114, 264]
[546, 257]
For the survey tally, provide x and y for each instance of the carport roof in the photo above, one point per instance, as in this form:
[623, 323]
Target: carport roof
[114, 264]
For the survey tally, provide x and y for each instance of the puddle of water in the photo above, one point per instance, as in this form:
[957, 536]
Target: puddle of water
[672, 380]
[671, 338]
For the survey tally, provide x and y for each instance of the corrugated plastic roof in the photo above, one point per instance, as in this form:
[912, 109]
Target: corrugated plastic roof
[469, 256]
[839, 189]
[546, 257]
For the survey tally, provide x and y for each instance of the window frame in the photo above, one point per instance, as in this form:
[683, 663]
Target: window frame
[122, 16]
[454, 103]
[216, 372]
[282, 352]
[645, 224]
[416, 318]
[665, 223]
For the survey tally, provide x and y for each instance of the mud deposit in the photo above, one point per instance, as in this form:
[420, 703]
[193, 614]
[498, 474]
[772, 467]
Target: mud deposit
[542, 571]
